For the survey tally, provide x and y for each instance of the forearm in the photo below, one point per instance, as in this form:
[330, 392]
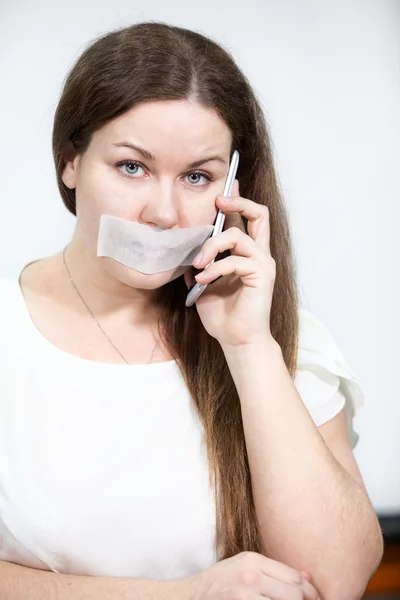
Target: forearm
[312, 514]
[23, 583]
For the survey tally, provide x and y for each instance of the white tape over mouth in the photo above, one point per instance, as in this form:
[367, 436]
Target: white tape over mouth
[149, 249]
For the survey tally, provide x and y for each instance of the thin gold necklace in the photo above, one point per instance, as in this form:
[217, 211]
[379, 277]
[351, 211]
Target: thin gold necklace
[96, 321]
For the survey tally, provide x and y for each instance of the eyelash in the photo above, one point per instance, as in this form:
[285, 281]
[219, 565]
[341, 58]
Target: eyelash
[136, 163]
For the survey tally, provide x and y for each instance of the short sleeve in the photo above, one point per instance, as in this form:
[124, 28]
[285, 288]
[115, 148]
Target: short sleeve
[323, 379]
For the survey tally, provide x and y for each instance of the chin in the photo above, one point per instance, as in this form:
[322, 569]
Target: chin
[137, 279]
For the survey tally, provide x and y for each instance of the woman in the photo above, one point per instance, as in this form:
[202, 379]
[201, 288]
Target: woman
[143, 441]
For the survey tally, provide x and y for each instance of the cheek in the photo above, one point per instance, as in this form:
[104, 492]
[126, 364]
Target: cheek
[92, 200]
[91, 193]
[99, 194]
[200, 214]
[103, 192]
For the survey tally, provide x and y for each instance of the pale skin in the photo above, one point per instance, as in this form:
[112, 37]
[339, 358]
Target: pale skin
[303, 489]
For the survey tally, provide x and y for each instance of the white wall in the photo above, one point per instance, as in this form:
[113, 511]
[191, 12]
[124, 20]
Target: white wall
[327, 73]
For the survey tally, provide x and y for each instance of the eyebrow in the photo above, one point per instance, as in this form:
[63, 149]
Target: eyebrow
[149, 156]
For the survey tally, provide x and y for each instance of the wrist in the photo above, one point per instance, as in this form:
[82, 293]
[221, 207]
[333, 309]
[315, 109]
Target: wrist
[184, 589]
[248, 352]
[171, 589]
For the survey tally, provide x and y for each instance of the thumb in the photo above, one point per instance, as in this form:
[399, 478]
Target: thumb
[308, 577]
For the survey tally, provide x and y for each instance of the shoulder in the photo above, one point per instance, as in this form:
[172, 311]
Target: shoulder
[317, 346]
[15, 290]
[323, 378]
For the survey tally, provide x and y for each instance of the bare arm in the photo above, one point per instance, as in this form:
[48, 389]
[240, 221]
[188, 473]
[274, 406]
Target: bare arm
[314, 515]
[24, 583]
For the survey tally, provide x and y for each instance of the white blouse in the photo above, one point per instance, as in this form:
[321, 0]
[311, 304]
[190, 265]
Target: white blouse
[103, 468]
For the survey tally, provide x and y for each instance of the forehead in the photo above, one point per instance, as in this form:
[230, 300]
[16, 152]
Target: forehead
[169, 126]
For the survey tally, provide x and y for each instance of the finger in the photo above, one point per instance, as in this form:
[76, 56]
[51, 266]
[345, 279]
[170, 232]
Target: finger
[280, 590]
[242, 267]
[256, 214]
[278, 570]
[308, 577]
[309, 591]
[232, 239]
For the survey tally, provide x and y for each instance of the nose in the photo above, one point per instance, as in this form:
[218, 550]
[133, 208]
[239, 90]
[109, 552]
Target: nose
[161, 209]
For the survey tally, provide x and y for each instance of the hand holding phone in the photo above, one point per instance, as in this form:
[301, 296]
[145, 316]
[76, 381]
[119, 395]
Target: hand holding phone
[198, 288]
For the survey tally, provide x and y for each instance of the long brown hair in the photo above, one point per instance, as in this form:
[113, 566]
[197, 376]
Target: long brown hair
[156, 61]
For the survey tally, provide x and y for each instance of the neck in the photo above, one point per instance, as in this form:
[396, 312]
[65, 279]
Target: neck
[105, 294]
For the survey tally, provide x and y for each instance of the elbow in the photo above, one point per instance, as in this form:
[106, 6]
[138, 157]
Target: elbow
[353, 588]
[371, 564]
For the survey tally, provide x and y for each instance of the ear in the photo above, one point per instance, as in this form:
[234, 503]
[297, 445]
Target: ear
[71, 163]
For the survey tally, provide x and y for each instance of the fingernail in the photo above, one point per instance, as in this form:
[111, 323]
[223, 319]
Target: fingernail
[198, 258]
[200, 275]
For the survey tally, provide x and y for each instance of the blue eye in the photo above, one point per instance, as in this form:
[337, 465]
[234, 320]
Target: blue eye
[133, 166]
[129, 163]
[199, 174]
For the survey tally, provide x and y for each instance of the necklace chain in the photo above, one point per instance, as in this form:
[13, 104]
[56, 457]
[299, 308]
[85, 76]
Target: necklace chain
[96, 321]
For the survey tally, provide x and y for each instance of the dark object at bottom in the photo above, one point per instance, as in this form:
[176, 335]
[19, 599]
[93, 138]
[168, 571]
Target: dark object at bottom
[387, 596]
[385, 583]
[390, 525]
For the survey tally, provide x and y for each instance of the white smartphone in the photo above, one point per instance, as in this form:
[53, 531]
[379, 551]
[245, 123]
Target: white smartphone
[198, 288]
